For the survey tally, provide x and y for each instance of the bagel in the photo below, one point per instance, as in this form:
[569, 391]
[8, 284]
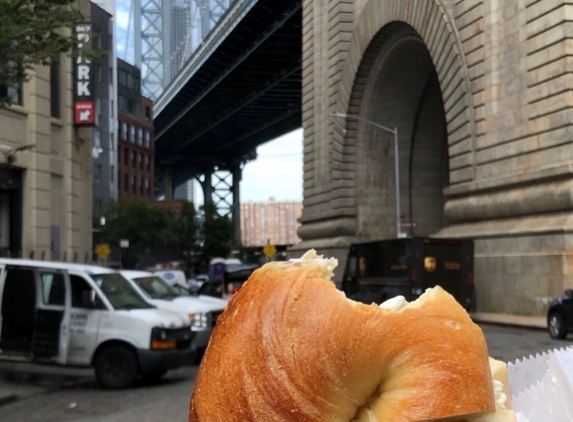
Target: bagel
[291, 347]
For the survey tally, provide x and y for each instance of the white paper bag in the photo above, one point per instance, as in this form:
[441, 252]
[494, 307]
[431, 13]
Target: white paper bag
[542, 386]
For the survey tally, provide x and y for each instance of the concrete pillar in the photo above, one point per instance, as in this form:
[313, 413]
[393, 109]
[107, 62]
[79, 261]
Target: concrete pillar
[236, 209]
[168, 183]
[207, 185]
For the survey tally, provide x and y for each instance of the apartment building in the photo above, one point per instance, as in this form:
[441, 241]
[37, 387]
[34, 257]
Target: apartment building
[135, 138]
[273, 221]
[104, 148]
[46, 196]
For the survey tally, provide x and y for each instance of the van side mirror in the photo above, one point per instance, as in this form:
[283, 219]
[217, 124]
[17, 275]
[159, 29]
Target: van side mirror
[89, 299]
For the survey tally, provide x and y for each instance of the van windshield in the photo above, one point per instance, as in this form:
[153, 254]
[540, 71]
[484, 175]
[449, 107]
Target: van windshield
[156, 287]
[119, 292]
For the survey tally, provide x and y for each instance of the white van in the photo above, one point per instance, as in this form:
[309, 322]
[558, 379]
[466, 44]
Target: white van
[202, 311]
[81, 315]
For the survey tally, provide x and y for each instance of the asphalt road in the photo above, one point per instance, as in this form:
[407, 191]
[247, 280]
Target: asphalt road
[52, 397]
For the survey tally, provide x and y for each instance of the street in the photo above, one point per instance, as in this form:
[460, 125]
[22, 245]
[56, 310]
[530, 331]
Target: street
[73, 395]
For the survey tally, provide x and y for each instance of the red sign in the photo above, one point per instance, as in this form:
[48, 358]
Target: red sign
[84, 113]
[83, 77]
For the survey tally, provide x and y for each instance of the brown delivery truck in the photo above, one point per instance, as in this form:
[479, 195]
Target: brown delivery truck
[379, 270]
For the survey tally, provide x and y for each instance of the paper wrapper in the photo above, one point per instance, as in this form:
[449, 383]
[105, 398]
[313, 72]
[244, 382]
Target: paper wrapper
[542, 386]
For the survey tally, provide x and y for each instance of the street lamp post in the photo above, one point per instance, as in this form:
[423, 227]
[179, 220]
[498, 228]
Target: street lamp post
[393, 131]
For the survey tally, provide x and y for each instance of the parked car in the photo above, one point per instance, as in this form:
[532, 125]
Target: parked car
[560, 316]
[202, 312]
[58, 313]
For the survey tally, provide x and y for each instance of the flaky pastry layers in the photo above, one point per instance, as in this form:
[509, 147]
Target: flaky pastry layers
[290, 347]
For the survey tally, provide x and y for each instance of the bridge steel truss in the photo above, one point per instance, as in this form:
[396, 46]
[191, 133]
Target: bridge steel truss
[240, 89]
[167, 33]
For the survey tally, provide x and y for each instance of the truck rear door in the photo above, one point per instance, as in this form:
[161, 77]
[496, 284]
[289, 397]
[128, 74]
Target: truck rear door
[448, 264]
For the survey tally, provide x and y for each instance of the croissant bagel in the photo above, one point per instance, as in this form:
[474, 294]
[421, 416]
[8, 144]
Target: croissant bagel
[290, 347]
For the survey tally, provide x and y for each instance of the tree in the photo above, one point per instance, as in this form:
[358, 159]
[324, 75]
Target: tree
[27, 36]
[217, 234]
[144, 224]
[186, 230]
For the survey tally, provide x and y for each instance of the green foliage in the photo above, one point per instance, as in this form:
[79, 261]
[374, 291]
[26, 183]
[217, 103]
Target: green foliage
[217, 234]
[199, 235]
[145, 225]
[185, 229]
[10, 154]
[28, 36]
[9, 157]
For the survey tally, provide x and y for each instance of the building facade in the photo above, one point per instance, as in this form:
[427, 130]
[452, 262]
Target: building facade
[46, 196]
[274, 222]
[104, 155]
[135, 136]
[478, 92]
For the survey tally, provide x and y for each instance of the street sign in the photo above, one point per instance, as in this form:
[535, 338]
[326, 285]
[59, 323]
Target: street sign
[102, 250]
[269, 250]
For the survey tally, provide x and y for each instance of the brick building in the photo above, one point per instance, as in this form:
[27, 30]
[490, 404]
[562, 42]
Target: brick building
[135, 127]
[272, 221]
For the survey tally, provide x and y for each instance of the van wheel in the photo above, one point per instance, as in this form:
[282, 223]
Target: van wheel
[116, 367]
[153, 376]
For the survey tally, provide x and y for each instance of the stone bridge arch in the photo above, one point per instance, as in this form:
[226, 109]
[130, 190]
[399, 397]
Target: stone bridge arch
[500, 69]
[380, 24]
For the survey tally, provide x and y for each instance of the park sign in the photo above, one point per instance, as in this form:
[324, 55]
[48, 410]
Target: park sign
[84, 110]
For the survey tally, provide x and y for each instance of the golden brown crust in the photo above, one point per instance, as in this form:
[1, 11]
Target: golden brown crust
[290, 347]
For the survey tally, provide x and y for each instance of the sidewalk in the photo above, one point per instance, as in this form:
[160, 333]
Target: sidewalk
[538, 322]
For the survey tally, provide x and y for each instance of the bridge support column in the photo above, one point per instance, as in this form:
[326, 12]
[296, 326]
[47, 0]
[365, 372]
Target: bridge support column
[207, 186]
[236, 209]
[168, 183]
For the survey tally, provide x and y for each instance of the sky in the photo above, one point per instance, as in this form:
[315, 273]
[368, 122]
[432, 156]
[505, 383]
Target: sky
[277, 171]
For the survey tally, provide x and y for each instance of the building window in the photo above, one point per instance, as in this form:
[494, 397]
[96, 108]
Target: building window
[124, 131]
[133, 187]
[147, 187]
[112, 141]
[133, 107]
[133, 159]
[98, 206]
[55, 86]
[12, 93]
[147, 139]
[122, 104]
[125, 182]
[97, 139]
[147, 113]
[98, 173]
[112, 174]
[147, 163]
[99, 72]
[132, 134]
[125, 156]
[122, 78]
[97, 37]
[140, 136]
[141, 161]
[141, 185]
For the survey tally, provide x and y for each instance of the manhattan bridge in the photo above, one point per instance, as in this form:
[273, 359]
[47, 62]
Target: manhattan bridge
[225, 77]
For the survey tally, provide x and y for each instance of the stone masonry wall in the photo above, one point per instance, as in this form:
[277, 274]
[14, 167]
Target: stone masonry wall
[505, 70]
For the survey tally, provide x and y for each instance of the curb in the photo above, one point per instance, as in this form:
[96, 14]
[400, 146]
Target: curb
[7, 399]
[534, 323]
